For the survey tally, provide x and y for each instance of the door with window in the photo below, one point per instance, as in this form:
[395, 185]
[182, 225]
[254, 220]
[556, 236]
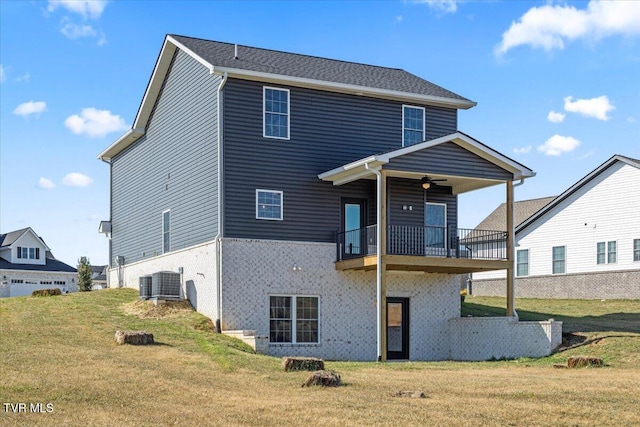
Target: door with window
[435, 230]
[397, 328]
[353, 221]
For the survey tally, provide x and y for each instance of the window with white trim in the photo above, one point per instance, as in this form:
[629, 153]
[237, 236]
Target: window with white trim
[412, 125]
[166, 231]
[17, 281]
[636, 249]
[559, 259]
[59, 282]
[607, 252]
[28, 253]
[522, 262]
[293, 319]
[276, 113]
[269, 205]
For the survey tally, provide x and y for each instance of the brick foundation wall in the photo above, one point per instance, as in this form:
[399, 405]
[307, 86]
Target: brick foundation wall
[252, 270]
[483, 338]
[604, 285]
[198, 278]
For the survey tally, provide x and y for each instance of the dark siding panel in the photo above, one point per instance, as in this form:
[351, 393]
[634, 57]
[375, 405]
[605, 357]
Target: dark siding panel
[174, 166]
[449, 159]
[409, 192]
[327, 130]
[440, 122]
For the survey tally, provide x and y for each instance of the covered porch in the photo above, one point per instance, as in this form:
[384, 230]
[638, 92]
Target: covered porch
[416, 215]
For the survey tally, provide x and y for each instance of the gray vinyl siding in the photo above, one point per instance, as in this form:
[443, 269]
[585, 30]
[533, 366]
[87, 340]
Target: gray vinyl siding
[409, 192]
[173, 166]
[440, 121]
[327, 130]
[449, 159]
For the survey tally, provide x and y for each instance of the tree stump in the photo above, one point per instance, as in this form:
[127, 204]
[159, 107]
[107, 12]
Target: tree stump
[584, 361]
[323, 378]
[302, 364]
[134, 338]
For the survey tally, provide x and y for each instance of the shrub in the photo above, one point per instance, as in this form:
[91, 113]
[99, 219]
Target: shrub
[46, 292]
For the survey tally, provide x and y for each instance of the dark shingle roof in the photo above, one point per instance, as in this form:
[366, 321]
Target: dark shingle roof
[221, 54]
[8, 239]
[51, 265]
[497, 220]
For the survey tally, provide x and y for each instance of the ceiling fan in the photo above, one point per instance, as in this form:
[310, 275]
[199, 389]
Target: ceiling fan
[428, 182]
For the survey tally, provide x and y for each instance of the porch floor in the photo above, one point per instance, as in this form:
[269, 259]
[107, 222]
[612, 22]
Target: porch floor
[427, 264]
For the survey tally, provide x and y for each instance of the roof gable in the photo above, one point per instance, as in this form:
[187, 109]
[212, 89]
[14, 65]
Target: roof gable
[285, 68]
[524, 209]
[577, 186]
[8, 239]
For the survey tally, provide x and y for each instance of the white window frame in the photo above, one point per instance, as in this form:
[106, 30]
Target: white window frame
[607, 253]
[258, 191]
[518, 263]
[294, 320]
[636, 252]
[424, 120]
[564, 260]
[163, 231]
[264, 112]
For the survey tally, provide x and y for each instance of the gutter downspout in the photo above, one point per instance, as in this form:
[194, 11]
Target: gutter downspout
[379, 272]
[219, 236]
[110, 216]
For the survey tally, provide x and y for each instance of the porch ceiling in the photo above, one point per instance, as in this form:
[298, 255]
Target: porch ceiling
[423, 263]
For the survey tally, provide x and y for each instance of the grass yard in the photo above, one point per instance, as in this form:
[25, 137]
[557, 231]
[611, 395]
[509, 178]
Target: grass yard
[61, 350]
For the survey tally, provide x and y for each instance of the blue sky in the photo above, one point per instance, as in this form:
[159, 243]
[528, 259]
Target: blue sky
[557, 86]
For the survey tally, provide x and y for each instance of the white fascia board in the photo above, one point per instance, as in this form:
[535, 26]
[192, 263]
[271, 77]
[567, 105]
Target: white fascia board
[190, 53]
[352, 171]
[33, 233]
[344, 88]
[121, 143]
[471, 145]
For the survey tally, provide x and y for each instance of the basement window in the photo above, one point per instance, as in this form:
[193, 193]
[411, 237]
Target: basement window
[293, 319]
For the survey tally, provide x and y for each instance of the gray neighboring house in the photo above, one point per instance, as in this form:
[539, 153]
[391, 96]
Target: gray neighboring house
[98, 277]
[27, 264]
[310, 205]
[584, 243]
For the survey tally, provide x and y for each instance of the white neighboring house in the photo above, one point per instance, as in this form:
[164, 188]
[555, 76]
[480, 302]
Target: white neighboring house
[27, 264]
[584, 243]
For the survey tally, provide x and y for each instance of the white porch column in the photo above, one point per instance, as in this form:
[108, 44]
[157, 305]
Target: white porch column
[511, 278]
[381, 272]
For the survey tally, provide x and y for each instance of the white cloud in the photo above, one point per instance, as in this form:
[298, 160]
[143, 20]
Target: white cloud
[88, 9]
[557, 144]
[74, 31]
[445, 6]
[24, 78]
[594, 107]
[551, 26]
[27, 108]
[46, 183]
[631, 119]
[76, 179]
[95, 123]
[522, 150]
[399, 19]
[555, 117]
[3, 75]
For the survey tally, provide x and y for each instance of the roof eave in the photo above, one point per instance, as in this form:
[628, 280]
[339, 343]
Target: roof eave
[344, 88]
[131, 136]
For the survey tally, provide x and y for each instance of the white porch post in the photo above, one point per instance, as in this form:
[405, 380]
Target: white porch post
[511, 278]
[381, 273]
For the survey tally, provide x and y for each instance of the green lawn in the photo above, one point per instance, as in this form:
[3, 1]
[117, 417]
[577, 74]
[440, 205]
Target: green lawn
[61, 351]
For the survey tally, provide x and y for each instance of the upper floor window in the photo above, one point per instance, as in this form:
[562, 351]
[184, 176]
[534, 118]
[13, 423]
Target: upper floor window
[269, 205]
[522, 262]
[559, 260]
[28, 253]
[276, 113]
[412, 125]
[166, 231]
[636, 249]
